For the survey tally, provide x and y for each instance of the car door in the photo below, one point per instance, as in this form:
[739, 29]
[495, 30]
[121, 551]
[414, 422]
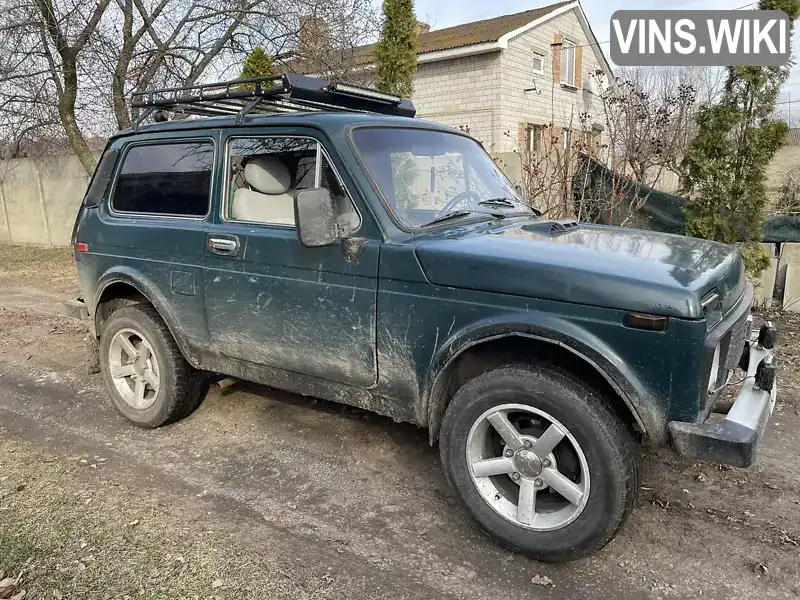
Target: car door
[152, 228]
[270, 300]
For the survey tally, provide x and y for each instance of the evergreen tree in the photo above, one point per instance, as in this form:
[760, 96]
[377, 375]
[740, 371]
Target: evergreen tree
[258, 64]
[726, 165]
[396, 50]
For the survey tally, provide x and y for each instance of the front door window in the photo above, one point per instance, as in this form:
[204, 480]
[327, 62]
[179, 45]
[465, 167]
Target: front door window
[264, 173]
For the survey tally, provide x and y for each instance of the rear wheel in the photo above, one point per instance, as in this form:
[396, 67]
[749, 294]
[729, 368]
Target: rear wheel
[540, 460]
[145, 374]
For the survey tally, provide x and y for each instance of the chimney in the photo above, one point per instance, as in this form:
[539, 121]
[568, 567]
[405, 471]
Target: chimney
[422, 27]
[312, 35]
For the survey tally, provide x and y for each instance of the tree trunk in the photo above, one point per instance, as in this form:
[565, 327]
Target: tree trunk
[121, 69]
[66, 109]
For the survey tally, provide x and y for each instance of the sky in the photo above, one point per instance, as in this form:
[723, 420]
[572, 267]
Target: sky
[446, 13]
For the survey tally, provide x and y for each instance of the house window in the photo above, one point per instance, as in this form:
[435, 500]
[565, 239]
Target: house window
[538, 63]
[568, 63]
[535, 133]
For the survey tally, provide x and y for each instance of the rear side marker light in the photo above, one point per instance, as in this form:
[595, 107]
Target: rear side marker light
[647, 322]
[81, 247]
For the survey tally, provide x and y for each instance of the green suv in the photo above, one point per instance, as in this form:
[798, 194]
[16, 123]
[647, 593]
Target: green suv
[314, 237]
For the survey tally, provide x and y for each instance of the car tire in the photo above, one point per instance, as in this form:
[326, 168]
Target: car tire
[147, 378]
[541, 402]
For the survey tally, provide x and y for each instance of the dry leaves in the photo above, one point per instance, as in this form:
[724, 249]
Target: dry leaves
[271, 518]
[10, 587]
[541, 580]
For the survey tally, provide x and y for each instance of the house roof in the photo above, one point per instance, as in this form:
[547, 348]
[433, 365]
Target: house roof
[479, 32]
[458, 36]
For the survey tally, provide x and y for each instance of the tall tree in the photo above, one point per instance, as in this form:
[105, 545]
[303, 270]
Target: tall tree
[258, 64]
[726, 166]
[62, 54]
[396, 50]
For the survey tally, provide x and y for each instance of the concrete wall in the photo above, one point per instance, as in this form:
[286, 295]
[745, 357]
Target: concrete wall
[39, 199]
[786, 159]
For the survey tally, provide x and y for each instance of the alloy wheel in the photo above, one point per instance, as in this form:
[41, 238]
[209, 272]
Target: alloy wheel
[134, 369]
[528, 467]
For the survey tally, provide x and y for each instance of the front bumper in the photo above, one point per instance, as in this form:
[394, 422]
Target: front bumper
[734, 440]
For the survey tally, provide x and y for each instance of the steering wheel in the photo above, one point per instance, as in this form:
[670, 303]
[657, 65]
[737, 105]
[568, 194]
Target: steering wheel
[455, 201]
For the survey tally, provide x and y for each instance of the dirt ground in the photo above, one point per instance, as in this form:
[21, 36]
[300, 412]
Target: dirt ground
[263, 494]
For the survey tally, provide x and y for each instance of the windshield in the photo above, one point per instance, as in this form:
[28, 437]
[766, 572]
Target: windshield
[428, 176]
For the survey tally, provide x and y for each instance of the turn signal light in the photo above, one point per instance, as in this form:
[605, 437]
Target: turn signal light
[647, 322]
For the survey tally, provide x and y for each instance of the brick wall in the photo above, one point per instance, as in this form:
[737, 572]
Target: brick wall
[486, 92]
[552, 102]
[462, 92]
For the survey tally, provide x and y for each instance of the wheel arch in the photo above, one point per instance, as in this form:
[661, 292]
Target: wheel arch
[470, 353]
[130, 285]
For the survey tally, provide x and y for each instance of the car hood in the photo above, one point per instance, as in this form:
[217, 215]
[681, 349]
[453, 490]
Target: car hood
[613, 267]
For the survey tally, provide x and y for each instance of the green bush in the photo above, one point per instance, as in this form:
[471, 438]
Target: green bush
[726, 165]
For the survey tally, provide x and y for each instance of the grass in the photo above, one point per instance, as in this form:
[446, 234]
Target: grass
[71, 531]
[34, 264]
[33, 258]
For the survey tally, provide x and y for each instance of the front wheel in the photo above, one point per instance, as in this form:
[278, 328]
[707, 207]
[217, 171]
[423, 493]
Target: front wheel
[540, 460]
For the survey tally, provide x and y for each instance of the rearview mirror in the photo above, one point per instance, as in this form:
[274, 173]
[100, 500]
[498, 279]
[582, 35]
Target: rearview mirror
[316, 219]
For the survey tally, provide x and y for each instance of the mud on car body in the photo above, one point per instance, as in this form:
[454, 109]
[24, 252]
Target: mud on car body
[317, 238]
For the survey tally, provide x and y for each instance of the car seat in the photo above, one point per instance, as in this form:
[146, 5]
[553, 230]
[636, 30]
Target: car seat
[267, 198]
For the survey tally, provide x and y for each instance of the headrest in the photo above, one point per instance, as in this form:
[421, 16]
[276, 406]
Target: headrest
[268, 175]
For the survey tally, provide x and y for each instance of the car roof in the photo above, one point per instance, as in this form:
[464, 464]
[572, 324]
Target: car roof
[318, 119]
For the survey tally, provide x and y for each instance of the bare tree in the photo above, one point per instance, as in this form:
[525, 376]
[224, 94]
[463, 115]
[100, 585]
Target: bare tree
[650, 116]
[77, 61]
[332, 41]
[569, 171]
[638, 135]
[785, 200]
[39, 73]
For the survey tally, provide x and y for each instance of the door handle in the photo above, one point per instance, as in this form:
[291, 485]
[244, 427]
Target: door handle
[224, 246]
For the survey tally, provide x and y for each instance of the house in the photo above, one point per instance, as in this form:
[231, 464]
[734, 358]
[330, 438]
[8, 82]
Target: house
[501, 79]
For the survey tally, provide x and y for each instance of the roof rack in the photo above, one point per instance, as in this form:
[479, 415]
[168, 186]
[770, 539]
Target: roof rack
[289, 92]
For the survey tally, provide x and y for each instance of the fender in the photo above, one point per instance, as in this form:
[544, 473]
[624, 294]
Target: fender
[145, 286]
[645, 407]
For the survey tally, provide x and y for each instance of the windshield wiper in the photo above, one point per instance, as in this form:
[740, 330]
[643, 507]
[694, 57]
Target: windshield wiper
[498, 202]
[464, 213]
[450, 215]
[510, 204]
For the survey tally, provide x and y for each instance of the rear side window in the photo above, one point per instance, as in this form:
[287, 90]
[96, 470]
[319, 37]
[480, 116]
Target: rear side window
[166, 179]
[102, 175]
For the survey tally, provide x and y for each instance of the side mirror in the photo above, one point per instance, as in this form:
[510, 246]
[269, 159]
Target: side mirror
[316, 218]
